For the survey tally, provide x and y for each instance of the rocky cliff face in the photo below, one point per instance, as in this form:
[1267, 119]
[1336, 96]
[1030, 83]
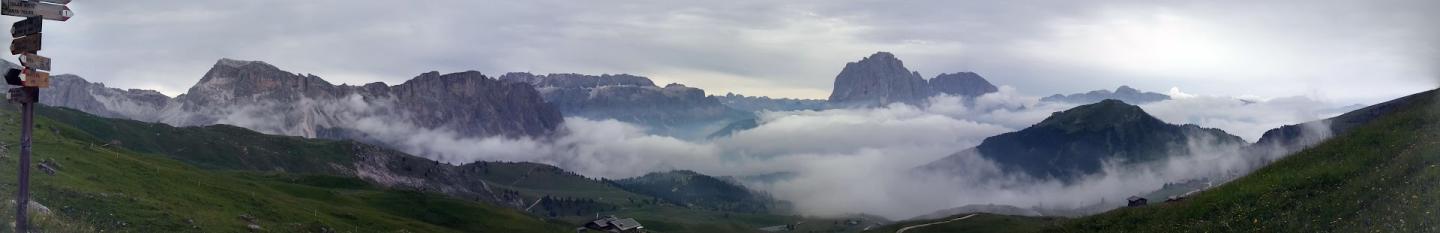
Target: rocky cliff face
[1124, 93]
[95, 98]
[261, 97]
[878, 79]
[882, 79]
[631, 99]
[967, 84]
[74, 92]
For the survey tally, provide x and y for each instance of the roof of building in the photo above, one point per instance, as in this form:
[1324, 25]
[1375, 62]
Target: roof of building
[603, 222]
[626, 224]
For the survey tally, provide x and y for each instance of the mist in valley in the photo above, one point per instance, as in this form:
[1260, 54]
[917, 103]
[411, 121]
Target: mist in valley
[851, 160]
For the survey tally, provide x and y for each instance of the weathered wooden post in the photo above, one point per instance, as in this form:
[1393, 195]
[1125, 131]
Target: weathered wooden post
[33, 76]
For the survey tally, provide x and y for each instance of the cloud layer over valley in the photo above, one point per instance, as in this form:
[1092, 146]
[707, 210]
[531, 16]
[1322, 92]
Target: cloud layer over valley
[843, 161]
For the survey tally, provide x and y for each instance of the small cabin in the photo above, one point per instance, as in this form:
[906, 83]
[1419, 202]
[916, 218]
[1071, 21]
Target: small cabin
[1136, 201]
[615, 225]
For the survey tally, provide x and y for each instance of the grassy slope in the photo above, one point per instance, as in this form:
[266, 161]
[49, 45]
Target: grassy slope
[534, 180]
[1383, 176]
[122, 190]
[537, 180]
[979, 223]
[243, 152]
[209, 147]
[688, 188]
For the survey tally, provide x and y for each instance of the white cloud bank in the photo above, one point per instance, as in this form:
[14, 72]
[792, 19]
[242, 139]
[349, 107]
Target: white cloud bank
[844, 161]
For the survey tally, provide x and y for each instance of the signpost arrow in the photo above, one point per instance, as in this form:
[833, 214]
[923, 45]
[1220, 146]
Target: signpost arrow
[13, 77]
[34, 78]
[27, 44]
[29, 26]
[24, 8]
[35, 61]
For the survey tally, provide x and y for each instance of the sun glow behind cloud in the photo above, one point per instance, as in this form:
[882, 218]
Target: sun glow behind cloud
[1157, 42]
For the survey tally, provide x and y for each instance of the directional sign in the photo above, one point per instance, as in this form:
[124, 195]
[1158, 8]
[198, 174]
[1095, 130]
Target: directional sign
[29, 26]
[24, 8]
[13, 77]
[27, 44]
[35, 78]
[34, 61]
[24, 95]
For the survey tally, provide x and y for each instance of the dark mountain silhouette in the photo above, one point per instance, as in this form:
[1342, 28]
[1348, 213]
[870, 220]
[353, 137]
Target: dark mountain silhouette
[1124, 93]
[1077, 142]
[882, 79]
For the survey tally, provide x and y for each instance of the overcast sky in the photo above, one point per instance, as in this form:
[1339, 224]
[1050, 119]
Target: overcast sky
[1343, 51]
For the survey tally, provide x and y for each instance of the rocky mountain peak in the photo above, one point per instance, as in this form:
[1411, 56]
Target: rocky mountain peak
[886, 59]
[882, 78]
[241, 63]
[1126, 90]
[967, 84]
[878, 79]
[230, 80]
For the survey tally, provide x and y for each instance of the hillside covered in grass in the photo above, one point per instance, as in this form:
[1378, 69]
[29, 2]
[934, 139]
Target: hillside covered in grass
[1380, 175]
[100, 187]
[216, 174]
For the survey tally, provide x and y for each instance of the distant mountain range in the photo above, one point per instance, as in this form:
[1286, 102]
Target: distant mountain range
[882, 79]
[1076, 142]
[763, 103]
[675, 110]
[264, 98]
[1124, 93]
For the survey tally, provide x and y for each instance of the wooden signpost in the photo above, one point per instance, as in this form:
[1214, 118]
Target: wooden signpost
[30, 78]
[26, 27]
[35, 61]
[35, 78]
[26, 44]
[31, 8]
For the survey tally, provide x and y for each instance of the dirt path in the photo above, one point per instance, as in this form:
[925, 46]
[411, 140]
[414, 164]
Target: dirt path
[902, 230]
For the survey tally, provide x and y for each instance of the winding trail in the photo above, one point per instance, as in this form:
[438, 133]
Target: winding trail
[902, 230]
[532, 205]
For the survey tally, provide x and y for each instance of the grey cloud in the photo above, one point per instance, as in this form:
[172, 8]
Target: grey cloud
[1241, 118]
[783, 49]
